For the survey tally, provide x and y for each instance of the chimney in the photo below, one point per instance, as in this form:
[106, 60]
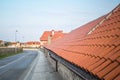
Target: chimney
[53, 32]
[60, 31]
[49, 39]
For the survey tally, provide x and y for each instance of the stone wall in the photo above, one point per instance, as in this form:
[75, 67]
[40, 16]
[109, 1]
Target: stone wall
[64, 71]
[52, 61]
[5, 51]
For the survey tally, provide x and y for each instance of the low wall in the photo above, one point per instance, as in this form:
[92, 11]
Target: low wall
[65, 72]
[5, 51]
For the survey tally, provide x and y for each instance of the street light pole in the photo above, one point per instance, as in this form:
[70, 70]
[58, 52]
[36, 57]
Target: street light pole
[16, 40]
[16, 35]
[23, 39]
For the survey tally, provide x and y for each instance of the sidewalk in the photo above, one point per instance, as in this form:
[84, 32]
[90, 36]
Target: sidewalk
[44, 70]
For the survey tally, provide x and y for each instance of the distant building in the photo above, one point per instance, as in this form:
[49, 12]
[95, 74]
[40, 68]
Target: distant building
[49, 36]
[1, 43]
[23, 44]
[15, 44]
[31, 44]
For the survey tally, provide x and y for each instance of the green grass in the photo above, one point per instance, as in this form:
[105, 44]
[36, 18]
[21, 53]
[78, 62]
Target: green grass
[10, 54]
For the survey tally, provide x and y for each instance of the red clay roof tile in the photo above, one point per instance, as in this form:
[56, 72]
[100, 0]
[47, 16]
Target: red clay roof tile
[115, 55]
[107, 69]
[118, 77]
[45, 35]
[112, 52]
[111, 75]
[94, 47]
[118, 59]
[102, 66]
[96, 64]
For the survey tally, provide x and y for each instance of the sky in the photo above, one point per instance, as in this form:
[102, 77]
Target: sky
[32, 17]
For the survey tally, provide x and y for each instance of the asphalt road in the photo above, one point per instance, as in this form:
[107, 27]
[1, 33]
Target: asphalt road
[16, 67]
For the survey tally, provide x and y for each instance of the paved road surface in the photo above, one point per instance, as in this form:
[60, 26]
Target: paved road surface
[16, 67]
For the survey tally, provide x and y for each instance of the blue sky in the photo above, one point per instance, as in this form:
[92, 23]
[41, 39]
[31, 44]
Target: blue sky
[32, 17]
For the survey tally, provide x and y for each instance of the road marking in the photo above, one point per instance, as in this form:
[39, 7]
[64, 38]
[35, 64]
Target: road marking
[32, 66]
[12, 62]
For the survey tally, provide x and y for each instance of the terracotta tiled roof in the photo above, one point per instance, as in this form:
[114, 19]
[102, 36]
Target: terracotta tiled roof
[32, 42]
[57, 34]
[45, 35]
[95, 47]
[13, 43]
[1, 41]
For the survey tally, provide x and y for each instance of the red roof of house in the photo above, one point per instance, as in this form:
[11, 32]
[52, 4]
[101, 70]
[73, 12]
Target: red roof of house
[57, 34]
[95, 46]
[33, 42]
[1, 41]
[13, 43]
[45, 36]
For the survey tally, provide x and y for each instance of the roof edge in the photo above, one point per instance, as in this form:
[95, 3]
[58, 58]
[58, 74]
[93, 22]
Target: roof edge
[105, 18]
[85, 75]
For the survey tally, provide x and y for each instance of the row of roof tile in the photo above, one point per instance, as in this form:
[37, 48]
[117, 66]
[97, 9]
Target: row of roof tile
[95, 46]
